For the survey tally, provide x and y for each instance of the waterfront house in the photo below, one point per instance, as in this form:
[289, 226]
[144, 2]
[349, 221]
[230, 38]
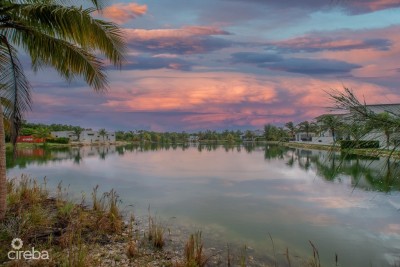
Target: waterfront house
[86, 136]
[327, 137]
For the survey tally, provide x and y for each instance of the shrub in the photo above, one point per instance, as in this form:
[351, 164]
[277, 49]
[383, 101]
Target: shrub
[355, 144]
[60, 140]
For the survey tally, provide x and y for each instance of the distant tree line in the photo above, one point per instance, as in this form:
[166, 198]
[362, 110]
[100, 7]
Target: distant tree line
[40, 130]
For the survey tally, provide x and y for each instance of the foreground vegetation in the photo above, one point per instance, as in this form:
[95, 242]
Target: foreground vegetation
[76, 234]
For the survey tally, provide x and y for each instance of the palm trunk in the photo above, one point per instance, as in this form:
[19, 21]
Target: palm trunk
[387, 133]
[3, 173]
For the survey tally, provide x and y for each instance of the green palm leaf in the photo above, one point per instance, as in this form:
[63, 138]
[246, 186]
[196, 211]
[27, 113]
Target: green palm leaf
[14, 87]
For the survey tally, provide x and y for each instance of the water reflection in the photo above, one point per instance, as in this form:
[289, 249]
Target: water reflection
[367, 173]
[243, 192]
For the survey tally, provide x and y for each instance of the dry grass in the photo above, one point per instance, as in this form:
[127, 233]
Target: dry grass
[44, 221]
[194, 252]
[156, 233]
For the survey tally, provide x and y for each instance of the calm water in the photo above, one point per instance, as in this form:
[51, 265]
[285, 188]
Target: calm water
[240, 194]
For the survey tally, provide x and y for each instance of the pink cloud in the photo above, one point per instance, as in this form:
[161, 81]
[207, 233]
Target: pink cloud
[184, 32]
[321, 42]
[375, 5]
[192, 92]
[185, 40]
[122, 13]
[208, 100]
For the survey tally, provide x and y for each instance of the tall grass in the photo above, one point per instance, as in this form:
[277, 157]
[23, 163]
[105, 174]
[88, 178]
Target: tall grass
[194, 252]
[68, 229]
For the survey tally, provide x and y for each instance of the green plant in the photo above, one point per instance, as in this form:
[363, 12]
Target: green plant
[357, 144]
[194, 254]
[59, 140]
[243, 256]
[66, 209]
[156, 234]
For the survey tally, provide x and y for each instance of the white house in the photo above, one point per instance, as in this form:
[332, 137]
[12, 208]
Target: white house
[392, 110]
[326, 137]
[86, 136]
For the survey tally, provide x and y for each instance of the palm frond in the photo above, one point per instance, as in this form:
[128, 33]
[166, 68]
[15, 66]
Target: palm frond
[75, 25]
[98, 4]
[15, 88]
[68, 59]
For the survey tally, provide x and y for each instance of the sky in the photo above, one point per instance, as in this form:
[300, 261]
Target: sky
[231, 64]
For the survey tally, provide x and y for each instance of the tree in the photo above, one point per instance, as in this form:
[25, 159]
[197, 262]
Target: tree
[305, 127]
[103, 133]
[382, 123]
[330, 122]
[360, 113]
[249, 135]
[42, 133]
[292, 129]
[77, 131]
[53, 34]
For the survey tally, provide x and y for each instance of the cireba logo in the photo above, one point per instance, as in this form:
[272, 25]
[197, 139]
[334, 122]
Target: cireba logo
[33, 254]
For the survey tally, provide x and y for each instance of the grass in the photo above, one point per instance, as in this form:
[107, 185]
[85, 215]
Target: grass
[194, 252]
[54, 222]
[155, 233]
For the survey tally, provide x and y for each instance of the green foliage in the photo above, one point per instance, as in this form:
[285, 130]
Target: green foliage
[27, 131]
[30, 128]
[356, 144]
[60, 140]
[273, 133]
[332, 123]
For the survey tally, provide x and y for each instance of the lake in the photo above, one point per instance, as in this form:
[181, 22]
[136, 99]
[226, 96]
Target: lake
[344, 204]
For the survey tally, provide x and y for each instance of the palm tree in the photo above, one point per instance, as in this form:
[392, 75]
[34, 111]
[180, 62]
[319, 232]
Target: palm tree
[42, 133]
[290, 126]
[385, 121]
[77, 131]
[382, 122]
[304, 127]
[103, 133]
[330, 122]
[54, 34]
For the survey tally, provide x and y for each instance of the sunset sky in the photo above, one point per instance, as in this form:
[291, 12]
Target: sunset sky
[232, 64]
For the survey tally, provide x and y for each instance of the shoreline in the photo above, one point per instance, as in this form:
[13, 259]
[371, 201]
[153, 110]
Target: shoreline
[100, 234]
[370, 152]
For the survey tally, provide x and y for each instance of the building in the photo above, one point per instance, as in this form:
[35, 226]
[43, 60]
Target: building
[86, 136]
[326, 136]
[379, 135]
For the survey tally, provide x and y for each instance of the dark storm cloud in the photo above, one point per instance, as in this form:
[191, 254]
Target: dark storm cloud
[311, 66]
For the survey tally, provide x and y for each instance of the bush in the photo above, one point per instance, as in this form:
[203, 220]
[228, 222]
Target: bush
[60, 140]
[358, 144]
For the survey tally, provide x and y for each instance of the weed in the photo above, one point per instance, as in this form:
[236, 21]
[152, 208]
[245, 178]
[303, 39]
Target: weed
[65, 210]
[194, 254]
[228, 256]
[243, 256]
[109, 216]
[156, 234]
[96, 202]
[132, 250]
[314, 262]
